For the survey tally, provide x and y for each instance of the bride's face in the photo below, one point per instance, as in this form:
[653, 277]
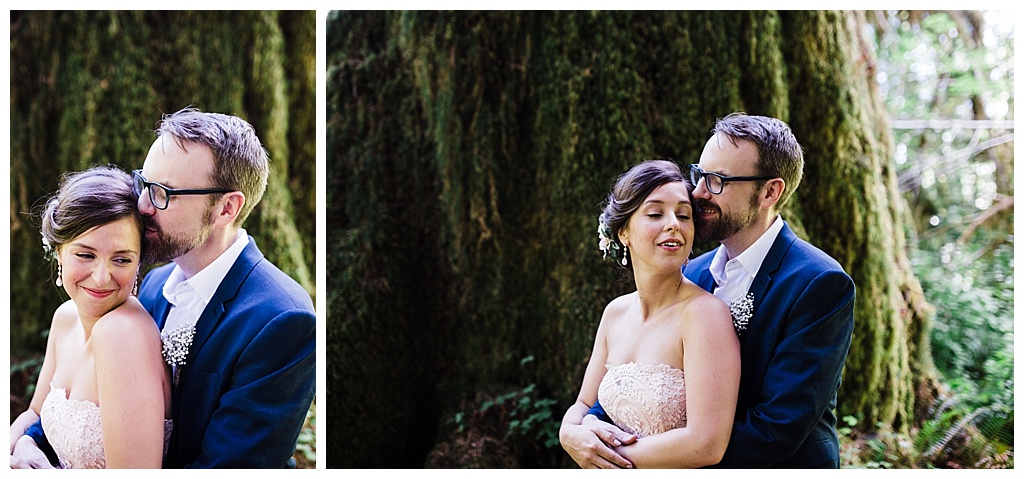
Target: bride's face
[660, 233]
[99, 267]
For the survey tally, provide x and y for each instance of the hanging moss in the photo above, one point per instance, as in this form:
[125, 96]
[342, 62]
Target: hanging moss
[852, 209]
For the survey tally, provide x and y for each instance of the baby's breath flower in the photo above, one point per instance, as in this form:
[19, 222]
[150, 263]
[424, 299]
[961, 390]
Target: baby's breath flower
[742, 310]
[177, 343]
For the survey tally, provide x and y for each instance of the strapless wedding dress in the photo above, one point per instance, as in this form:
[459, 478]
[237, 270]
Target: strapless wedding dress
[644, 399]
[75, 433]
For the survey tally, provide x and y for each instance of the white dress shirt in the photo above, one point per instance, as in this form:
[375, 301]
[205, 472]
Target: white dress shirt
[735, 275]
[190, 297]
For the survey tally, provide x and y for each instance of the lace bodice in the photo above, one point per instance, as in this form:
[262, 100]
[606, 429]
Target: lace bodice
[644, 399]
[75, 433]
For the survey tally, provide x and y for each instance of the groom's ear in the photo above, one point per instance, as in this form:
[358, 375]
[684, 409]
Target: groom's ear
[773, 192]
[227, 209]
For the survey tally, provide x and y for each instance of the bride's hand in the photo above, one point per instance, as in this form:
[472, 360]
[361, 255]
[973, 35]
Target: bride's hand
[590, 444]
[608, 432]
[27, 455]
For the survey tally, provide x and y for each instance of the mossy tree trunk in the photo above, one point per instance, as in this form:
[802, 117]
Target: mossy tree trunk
[88, 88]
[469, 153]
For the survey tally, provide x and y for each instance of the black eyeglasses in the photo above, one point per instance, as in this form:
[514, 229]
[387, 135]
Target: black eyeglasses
[715, 182]
[160, 195]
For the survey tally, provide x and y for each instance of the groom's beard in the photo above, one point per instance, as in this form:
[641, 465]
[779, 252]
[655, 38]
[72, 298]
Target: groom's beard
[725, 225]
[167, 247]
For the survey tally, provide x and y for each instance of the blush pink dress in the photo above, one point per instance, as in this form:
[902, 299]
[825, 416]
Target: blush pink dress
[644, 399]
[74, 431]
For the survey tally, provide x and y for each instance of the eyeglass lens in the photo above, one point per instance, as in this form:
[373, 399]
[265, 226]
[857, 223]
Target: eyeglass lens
[712, 181]
[157, 194]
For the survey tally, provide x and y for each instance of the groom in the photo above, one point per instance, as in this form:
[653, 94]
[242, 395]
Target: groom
[240, 334]
[794, 344]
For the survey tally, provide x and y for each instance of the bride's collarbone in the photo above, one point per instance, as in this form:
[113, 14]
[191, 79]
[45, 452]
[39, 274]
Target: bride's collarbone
[75, 372]
[648, 345]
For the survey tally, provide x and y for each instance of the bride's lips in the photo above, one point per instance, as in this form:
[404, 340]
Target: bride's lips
[98, 293]
[671, 245]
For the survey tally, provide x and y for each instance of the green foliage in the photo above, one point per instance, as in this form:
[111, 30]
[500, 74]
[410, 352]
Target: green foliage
[883, 449]
[306, 444]
[953, 437]
[518, 427]
[961, 435]
[529, 417]
[957, 67]
[971, 343]
[958, 181]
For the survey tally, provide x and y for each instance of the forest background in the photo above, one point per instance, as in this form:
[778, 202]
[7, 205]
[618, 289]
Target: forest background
[88, 88]
[468, 154]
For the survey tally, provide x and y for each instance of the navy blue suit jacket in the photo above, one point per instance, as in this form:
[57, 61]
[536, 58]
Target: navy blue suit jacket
[249, 378]
[250, 374]
[792, 357]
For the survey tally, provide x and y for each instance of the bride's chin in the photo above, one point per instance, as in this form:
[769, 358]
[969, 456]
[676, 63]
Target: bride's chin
[666, 268]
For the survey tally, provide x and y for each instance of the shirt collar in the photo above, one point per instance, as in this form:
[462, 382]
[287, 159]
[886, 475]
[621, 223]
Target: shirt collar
[751, 258]
[207, 280]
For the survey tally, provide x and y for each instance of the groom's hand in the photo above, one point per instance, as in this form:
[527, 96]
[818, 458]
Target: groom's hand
[591, 444]
[27, 455]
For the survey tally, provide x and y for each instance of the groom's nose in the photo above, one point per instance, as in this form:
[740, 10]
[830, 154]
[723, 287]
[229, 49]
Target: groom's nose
[145, 206]
[700, 190]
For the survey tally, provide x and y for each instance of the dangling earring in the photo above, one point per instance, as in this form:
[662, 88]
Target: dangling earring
[625, 254]
[135, 285]
[59, 282]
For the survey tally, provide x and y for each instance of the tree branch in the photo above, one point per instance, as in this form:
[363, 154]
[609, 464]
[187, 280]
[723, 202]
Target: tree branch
[951, 124]
[1003, 202]
[906, 177]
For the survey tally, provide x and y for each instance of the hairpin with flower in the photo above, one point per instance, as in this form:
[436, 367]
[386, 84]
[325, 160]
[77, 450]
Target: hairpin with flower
[47, 248]
[608, 244]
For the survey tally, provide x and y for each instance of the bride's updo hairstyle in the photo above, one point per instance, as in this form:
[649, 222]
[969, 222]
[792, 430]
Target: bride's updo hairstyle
[629, 192]
[85, 200]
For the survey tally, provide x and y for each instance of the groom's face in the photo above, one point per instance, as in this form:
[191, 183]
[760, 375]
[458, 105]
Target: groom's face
[718, 217]
[187, 221]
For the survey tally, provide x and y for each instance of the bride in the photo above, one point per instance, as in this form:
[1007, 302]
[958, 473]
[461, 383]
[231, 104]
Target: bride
[666, 359]
[103, 392]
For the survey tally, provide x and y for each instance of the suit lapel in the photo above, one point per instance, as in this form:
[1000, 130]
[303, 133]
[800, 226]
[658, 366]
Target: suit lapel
[771, 264]
[228, 289]
[151, 294]
[702, 274]
[161, 307]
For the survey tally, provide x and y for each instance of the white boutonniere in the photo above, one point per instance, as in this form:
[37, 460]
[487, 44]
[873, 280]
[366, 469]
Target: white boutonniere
[742, 310]
[177, 343]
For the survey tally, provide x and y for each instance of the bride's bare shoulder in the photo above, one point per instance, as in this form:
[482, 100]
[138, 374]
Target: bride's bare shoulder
[130, 318]
[704, 305]
[619, 306]
[65, 317]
